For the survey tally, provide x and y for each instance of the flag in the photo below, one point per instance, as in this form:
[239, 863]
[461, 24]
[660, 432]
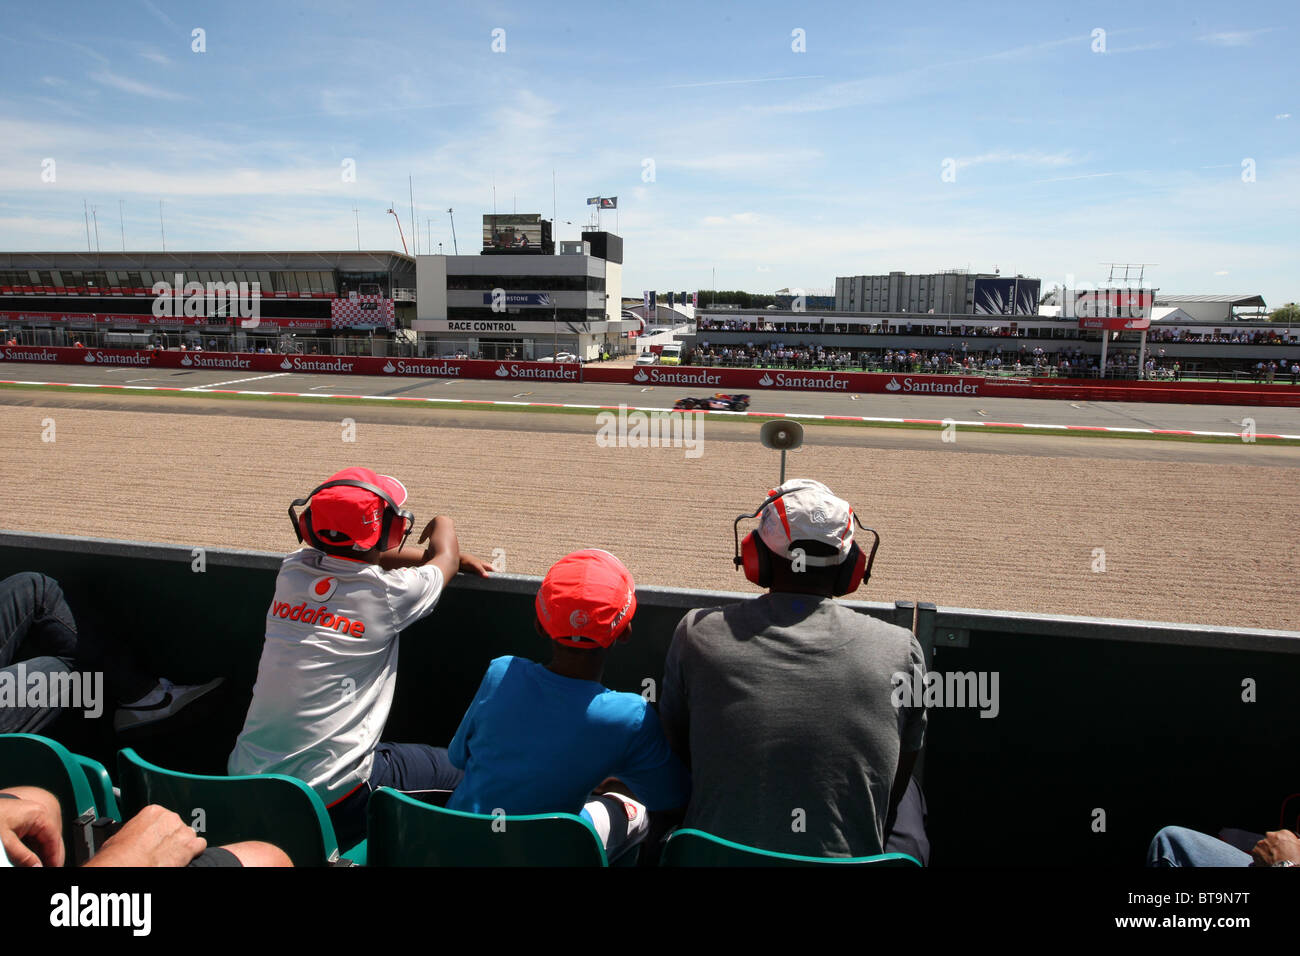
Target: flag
[609, 203]
[593, 201]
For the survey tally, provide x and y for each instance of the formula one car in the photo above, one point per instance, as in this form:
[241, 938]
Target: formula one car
[718, 403]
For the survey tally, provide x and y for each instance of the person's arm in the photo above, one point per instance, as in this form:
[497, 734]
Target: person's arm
[31, 827]
[674, 712]
[656, 776]
[410, 557]
[911, 728]
[153, 837]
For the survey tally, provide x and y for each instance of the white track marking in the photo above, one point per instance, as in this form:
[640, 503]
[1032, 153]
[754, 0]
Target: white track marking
[235, 381]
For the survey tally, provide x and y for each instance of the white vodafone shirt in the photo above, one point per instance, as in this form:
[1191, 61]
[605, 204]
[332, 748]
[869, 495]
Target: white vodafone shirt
[329, 665]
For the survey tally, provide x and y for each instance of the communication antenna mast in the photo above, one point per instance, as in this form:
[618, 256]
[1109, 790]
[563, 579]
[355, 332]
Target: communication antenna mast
[1128, 273]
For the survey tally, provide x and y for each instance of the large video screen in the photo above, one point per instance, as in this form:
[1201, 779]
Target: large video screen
[1010, 296]
[514, 232]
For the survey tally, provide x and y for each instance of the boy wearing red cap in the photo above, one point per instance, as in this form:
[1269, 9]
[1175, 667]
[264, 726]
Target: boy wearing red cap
[329, 663]
[540, 739]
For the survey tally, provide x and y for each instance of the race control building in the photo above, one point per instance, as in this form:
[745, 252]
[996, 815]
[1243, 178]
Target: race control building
[513, 303]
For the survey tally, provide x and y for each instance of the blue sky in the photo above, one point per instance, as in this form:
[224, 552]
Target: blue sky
[778, 168]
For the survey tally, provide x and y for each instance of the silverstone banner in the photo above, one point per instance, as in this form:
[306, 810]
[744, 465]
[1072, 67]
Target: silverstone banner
[673, 382]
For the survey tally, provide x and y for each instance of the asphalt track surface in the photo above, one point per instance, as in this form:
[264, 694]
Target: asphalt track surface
[1218, 418]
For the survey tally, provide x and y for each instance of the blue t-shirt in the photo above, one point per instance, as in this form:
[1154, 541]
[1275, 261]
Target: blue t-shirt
[536, 742]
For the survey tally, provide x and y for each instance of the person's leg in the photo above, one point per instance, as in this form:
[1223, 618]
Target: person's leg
[410, 768]
[35, 614]
[257, 853]
[620, 821]
[35, 620]
[414, 767]
[36, 700]
[348, 817]
[1178, 846]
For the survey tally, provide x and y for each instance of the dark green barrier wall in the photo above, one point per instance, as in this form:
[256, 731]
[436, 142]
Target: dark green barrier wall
[1144, 722]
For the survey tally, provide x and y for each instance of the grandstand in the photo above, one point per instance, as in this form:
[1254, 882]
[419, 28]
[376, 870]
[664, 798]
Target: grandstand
[336, 299]
[1038, 342]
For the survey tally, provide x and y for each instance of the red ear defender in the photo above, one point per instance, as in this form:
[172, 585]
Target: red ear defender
[852, 571]
[756, 560]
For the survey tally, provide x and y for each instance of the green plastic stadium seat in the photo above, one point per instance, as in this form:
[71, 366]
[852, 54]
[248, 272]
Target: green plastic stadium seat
[405, 832]
[697, 848]
[269, 807]
[29, 760]
[101, 786]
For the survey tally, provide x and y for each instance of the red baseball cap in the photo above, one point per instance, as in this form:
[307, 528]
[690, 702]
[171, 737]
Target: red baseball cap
[352, 515]
[587, 594]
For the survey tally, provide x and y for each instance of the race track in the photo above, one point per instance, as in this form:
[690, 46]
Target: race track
[1201, 533]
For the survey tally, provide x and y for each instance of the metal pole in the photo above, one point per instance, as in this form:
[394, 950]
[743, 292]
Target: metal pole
[121, 224]
[161, 228]
[415, 226]
[782, 467]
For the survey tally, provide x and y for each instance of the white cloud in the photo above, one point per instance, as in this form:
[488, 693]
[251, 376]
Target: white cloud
[155, 57]
[128, 85]
[1234, 37]
[1282, 116]
[1034, 158]
[159, 14]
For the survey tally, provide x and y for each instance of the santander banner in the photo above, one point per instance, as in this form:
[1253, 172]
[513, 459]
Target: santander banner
[338, 364]
[687, 379]
[689, 376]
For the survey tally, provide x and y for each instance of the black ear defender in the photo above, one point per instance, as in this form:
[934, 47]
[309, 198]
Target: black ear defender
[396, 527]
[754, 557]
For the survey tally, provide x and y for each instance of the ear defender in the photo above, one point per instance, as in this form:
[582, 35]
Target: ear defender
[393, 532]
[756, 560]
[852, 571]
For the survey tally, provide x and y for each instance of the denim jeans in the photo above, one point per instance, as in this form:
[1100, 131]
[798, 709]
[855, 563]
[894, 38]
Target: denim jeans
[37, 636]
[39, 641]
[1179, 846]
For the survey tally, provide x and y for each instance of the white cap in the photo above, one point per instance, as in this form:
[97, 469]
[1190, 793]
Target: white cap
[807, 512]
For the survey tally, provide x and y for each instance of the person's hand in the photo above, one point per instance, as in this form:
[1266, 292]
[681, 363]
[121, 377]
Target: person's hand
[30, 834]
[1277, 846]
[472, 565]
[153, 837]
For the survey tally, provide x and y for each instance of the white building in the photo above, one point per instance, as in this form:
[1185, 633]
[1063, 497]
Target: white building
[525, 306]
